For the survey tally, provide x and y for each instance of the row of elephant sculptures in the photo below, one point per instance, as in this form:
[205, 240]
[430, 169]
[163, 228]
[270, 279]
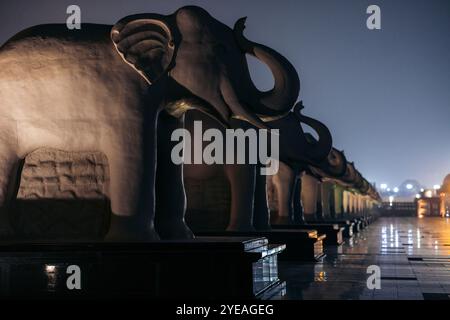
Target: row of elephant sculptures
[123, 89]
[330, 189]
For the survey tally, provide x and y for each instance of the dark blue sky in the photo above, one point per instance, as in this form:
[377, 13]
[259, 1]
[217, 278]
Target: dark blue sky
[385, 94]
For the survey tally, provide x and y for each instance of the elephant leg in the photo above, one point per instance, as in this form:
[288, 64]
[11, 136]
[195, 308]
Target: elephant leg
[242, 184]
[170, 193]
[299, 217]
[131, 152]
[261, 215]
[284, 184]
[10, 171]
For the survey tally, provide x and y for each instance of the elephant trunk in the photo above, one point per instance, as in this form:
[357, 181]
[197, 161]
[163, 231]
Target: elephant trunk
[284, 94]
[319, 150]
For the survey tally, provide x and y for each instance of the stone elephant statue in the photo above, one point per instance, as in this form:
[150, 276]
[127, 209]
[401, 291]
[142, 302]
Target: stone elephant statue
[292, 181]
[120, 90]
[248, 209]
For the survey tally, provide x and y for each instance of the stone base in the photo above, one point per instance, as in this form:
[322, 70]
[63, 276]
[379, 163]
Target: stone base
[348, 226]
[333, 232]
[207, 267]
[301, 245]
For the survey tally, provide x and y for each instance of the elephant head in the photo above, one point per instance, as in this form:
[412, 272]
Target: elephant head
[350, 177]
[296, 150]
[333, 167]
[204, 61]
[361, 184]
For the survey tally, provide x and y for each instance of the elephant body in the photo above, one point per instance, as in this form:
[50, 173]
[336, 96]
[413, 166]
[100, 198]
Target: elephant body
[71, 91]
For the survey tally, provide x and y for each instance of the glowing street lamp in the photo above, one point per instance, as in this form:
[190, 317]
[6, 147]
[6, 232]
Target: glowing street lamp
[417, 196]
[391, 200]
[383, 186]
[395, 189]
[436, 187]
[409, 186]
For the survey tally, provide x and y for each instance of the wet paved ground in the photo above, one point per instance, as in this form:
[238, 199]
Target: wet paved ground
[413, 256]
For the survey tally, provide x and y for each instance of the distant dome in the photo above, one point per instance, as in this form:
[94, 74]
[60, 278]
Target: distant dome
[446, 184]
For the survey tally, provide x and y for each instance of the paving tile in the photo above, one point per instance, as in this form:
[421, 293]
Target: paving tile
[413, 255]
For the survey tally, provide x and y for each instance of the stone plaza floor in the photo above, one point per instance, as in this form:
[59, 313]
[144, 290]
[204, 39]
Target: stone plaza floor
[413, 255]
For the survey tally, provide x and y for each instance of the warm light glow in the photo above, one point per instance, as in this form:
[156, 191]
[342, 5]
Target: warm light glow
[417, 196]
[409, 186]
[428, 193]
[422, 189]
[436, 186]
[395, 189]
[383, 186]
[50, 268]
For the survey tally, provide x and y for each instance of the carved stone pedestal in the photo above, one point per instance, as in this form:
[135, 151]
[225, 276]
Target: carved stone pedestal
[200, 268]
[333, 232]
[301, 245]
[348, 225]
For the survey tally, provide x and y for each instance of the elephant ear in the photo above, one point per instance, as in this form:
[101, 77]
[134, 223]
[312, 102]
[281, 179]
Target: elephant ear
[146, 42]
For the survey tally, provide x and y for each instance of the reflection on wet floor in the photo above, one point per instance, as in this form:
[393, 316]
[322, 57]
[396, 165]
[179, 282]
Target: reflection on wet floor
[413, 256]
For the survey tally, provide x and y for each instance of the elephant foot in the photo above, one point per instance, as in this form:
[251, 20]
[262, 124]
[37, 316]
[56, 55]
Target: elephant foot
[282, 220]
[174, 230]
[7, 234]
[130, 229]
[300, 221]
[6, 230]
[241, 228]
[263, 227]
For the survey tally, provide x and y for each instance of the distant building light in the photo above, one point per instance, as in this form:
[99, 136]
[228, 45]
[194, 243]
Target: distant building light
[395, 189]
[391, 200]
[409, 186]
[388, 189]
[436, 186]
[422, 189]
[383, 186]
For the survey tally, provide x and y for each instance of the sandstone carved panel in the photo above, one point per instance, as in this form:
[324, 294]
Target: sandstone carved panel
[62, 195]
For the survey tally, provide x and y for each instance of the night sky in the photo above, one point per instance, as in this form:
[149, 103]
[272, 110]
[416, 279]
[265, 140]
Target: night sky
[385, 94]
